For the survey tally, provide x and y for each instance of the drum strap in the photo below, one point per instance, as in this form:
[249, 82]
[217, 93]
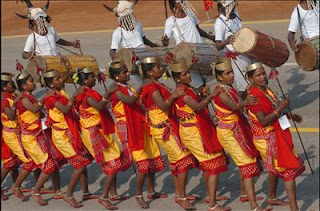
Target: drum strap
[301, 37]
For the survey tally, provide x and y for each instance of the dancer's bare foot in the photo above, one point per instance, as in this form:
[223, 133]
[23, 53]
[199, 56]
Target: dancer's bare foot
[3, 196]
[277, 202]
[37, 197]
[106, 203]
[17, 192]
[184, 203]
[217, 207]
[72, 202]
[156, 195]
[141, 202]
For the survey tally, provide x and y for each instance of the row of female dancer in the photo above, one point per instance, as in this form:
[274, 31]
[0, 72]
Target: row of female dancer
[145, 119]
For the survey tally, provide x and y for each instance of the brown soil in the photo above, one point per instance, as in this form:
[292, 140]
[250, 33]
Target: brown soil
[70, 16]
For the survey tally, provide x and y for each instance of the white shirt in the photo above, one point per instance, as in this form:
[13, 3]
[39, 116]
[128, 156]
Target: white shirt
[309, 21]
[222, 32]
[128, 39]
[183, 29]
[45, 45]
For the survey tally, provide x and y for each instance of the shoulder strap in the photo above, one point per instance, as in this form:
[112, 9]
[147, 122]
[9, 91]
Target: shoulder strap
[299, 19]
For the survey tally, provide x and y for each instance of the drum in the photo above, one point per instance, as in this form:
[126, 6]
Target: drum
[54, 62]
[308, 55]
[260, 47]
[198, 56]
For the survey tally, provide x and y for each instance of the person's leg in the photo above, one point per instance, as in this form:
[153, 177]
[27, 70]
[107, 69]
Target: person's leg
[56, 181]
[14, 174]
[16, 185]
[139, 196]
[181, 189]
[212, 189]
[71, 186]
[4, 173]
[152, 194]
[104, 200]
[272, 192]
[85, 187]
[249, 187]
[290, 187]
[242, 188]
[36, 191]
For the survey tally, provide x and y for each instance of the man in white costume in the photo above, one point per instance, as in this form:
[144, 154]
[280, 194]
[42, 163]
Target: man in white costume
[225, 27]
[129, 33]
[183, 25]
[43, 39]
[304, 17]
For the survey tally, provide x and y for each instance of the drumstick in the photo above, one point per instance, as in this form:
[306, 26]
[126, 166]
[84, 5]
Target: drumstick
[67, 50]
[294, 123]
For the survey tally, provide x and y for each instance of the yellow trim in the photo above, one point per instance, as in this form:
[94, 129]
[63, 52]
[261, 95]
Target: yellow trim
[305, 130]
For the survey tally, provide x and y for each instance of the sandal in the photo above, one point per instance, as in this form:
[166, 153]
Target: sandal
[107, 205]
[58, 196]
[17, 192]
[218, 198]
[37, 197]
[141, 202]
[220, 208]
[88, 196]
[156, 195]
[118, 197]
[244, 198]
[277, 202]
[266, 209]
[46, 191]
[182, 201]
[189, 197]
[72, 202]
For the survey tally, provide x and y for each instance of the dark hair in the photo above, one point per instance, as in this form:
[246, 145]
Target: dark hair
[4, 83]
[21, 82]
[48, 81]
[147, 67]
[175, 75]
[114, 72]
[218, 72]
[82, 77]
[250, 73]
[172, 4]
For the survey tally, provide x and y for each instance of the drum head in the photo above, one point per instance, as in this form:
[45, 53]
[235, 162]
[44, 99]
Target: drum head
[306, 57]
[244, 40]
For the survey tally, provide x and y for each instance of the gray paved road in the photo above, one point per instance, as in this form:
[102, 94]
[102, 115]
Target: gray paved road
[302, 88]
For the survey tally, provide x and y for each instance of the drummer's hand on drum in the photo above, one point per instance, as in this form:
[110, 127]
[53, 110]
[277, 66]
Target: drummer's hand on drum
[165, 40]
[76, 44]
[293, 46]
[230, 39]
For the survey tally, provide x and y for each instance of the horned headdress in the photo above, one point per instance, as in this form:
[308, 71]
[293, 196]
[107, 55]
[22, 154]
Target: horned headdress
[124, 11]
[229, 5]
[38, 15]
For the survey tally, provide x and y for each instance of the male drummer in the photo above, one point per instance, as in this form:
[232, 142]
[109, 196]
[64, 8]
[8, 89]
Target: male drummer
[305, 17]
[43, 39]
[225, 27]
[129, 33]
[183, 25]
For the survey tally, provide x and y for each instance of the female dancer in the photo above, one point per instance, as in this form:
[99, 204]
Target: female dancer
[273, 143]
[197, 131]
[132, 132]
[97, 127]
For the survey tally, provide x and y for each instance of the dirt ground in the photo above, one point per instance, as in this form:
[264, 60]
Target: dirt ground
[71, 16]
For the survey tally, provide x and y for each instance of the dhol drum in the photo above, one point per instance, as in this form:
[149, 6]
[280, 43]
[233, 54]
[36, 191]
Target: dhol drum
[260, 47]
[198, 56]
[73, 62]
[308, 55]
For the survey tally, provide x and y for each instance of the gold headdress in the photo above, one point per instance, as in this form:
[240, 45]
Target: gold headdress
[114, 64]
[223, 64]
[147, 60]
[253, 66]
[6, 76]
[178, 66]
[24, 74]
[48, 74]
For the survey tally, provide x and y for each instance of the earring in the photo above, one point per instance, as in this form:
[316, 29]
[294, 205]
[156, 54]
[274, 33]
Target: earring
[117, 78]
[4, 88]
[178, 81]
